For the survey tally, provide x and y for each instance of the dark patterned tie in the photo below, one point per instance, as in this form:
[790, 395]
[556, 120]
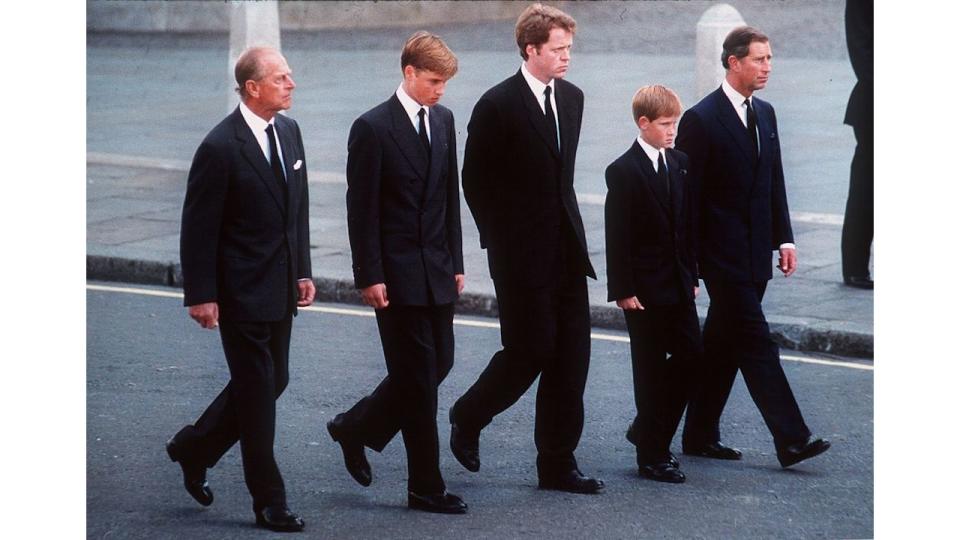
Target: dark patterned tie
[551, 118]
[752, 126]
[423, 130]
[275, 163]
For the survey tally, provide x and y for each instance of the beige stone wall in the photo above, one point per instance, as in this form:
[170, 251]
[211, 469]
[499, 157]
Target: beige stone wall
[213, 16]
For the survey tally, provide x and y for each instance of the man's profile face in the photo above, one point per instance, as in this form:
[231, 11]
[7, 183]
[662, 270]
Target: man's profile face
[753, 70]
[424, 86]
[274, 92]
[551, 59]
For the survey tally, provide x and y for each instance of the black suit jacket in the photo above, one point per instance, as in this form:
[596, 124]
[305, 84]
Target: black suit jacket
[743, 212]
[649, 248]
[403, 209]
[519, 185]
[858, 21]
[243, 244]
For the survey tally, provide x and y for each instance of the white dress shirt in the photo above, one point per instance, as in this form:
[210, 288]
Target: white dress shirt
[652, 153]
[412, 108]
[538, 88]
[259, 127]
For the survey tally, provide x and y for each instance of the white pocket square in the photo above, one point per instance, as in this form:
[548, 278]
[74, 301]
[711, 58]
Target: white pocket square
[296, 166]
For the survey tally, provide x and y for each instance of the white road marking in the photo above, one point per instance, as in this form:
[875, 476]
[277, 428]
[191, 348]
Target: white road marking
[469, 322]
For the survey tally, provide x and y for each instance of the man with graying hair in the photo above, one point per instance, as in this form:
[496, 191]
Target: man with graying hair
[245, 256]
[733, 143]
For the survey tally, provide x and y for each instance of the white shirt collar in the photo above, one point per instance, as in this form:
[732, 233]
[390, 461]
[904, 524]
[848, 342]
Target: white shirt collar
[257, 125]
[736, 99]
[538, 87]
[651, 152]
[412, 108]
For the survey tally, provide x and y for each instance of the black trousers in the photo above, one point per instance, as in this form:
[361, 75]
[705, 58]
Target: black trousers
[736, 336]
[857, 236]
[545, 332]
[257, 355]
[662, 384]
[418, 348]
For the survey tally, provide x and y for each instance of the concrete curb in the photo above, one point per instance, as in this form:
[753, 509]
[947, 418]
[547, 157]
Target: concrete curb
[795, 334]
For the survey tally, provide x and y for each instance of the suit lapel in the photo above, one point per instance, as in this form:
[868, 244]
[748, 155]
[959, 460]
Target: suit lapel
[407, 139]
[536, 116]
[251, 151]
[676, 184]
[567, 118]
[288, 149]
[650, 180]
[438, 134]
[731, 121]
[764, 131]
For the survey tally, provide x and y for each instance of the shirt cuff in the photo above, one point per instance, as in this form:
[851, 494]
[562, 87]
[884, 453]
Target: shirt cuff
[788, 245]
[303, 279]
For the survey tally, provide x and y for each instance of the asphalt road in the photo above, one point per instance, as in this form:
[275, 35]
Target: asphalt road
[150, 370]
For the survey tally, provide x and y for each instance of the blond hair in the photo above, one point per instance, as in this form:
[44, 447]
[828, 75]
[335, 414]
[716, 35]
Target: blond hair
[654, 101]
[427, 51]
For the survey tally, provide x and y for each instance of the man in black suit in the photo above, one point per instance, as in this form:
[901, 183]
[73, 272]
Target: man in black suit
[403, 214]
[245, 256]
[857, 236]
[651, 274]
[731, 139]
[518, 181]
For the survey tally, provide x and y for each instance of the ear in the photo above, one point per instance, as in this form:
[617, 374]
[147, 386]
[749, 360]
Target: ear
[530, 49]
[409, 72]
[733, 62]
[643, 123]
[253, 90]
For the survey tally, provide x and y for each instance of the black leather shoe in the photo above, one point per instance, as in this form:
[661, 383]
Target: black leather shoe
[465, 447]
[194, 476]
[354, 457]
[796, 453]
[439, 503]
[571, 481]
[279, 519]
[632, 439]
[715, 450]
[663, 472]
[859, 282]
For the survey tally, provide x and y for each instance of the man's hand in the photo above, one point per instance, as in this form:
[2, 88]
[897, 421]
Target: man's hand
[307, 291]
[461, 280]
[630, 304]
[375, 296]
[788, 261]
[696, 291]
[207, 314]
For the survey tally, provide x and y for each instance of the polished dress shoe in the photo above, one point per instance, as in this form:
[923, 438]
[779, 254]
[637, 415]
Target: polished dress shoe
[438, 503]
[795, 453]
[354, 457]
[194, 476]
[572, 481]
[715, 450]
[859, 282]
[632, 439]
[465, 447]
[279, 519]
[662, 472]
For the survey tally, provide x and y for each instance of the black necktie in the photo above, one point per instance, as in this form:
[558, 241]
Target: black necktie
[662, 174]
[551, 119]
[275, 159]
[423, 130]
[752, 126]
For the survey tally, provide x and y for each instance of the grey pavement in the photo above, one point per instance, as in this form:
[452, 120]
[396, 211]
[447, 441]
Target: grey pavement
[152, 98]
[150, 370]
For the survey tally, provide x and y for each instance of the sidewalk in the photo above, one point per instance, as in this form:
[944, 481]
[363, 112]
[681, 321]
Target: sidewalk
[133, 220]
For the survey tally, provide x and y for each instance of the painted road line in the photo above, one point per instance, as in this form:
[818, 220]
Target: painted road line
[468, 322]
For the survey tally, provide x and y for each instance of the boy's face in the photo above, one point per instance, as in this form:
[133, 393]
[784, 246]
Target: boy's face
[658, 133]
[424, 86]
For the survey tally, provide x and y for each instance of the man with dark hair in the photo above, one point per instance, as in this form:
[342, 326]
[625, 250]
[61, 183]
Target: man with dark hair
[518, 181]
[245, 255]
[403, 215]
[735, 165]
